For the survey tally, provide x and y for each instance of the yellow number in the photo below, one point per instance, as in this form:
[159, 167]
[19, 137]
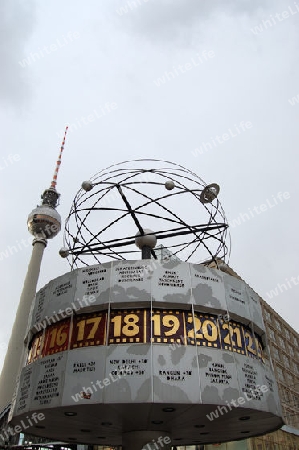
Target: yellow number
[58, 336]
[251, 343]
[130, 329]
[234, 333]
[117, 326]
[197, 324]
[81, 326]
[61, 335]
[156, 318]
[171, 321]
[227, 327]
[53, 337]
[36, 348]
[96, 322]
[237, 332]
[210, 333]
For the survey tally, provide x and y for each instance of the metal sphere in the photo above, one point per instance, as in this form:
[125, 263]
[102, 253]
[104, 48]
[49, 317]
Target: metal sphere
[64, 252]
[132, 195]
[224, 267]
[146, 240]
[87, 185]
[209, 193]
[169, 185]
[44, 221]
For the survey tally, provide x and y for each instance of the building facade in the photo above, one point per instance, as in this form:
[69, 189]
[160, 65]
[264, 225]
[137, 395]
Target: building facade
[283, 348]
[283, 345]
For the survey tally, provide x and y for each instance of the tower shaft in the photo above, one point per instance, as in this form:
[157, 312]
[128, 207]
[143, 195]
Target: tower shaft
[15, 351]
[148, 440]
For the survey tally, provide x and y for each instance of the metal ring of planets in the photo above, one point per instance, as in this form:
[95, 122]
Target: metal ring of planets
[129, 197]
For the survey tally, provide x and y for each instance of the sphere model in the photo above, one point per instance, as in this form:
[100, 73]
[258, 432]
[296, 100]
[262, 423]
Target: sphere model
[209, 193]
[148, 239]
[134, 195]
[87, 186]
[64, 252]
[169, 185]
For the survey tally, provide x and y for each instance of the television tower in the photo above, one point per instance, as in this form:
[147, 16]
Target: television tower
[44, 223]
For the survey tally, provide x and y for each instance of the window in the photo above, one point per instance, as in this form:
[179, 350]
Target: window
[275, 353]
[285, 395]
[271, 334]
[289, 378]
[286, 360]
[267, 315]
[280, 373]
[281, 342]
[277, 325]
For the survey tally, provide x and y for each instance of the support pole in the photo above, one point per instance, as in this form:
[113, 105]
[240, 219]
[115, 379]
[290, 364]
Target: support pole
[146, 440]
[15, 351]
[146, 252]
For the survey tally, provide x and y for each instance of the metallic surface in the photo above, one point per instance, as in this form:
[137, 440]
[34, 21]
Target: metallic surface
[44, 220]
[182, 390]
[135, 195]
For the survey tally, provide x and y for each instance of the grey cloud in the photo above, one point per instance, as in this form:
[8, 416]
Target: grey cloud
[17, 19]
[171, 19]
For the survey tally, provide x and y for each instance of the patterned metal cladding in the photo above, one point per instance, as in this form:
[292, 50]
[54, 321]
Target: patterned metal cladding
[140, 335]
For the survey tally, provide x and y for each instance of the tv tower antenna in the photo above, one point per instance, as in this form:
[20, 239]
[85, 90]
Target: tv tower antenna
[54, 181]
[44, 223]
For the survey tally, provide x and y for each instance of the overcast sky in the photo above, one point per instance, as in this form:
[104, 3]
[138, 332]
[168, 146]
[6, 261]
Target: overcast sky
[209, 84]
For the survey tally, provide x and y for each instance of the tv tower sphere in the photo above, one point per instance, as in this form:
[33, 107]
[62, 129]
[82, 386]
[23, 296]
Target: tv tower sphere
[44, 221]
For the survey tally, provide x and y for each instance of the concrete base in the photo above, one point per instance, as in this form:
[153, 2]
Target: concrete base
[146, 440]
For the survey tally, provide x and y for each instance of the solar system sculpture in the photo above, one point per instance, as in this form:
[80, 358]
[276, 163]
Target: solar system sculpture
[143, 344]
[128, 196]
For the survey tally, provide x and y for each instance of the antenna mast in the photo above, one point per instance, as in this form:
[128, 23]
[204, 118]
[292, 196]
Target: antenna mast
[54, 181]
[50, 196]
